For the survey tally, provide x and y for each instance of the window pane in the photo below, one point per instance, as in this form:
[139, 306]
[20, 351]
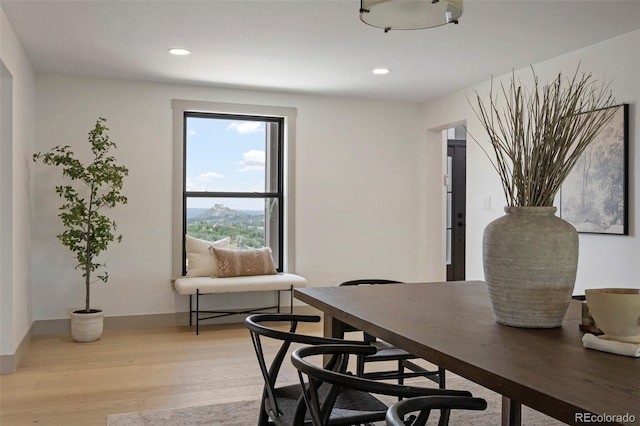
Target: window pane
[273, 143]
[248, 222]
[241, 219]
[273, 230]
[227, 155]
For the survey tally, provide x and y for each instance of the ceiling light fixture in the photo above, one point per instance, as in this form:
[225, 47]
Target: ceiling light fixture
[179, 52]
[409, 14]
[381, 71]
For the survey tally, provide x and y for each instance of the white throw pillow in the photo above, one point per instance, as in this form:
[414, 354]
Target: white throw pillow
[201, 262]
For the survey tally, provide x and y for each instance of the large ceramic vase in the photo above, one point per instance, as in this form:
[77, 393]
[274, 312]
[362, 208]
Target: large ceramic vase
[530, 258]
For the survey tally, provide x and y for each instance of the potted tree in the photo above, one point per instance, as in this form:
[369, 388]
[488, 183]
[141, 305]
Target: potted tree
[94, 187]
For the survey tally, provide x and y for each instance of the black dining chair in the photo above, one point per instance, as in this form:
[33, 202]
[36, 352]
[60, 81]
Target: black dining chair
[401, 413]
[405, 367]
[284, 405]
[324, 385]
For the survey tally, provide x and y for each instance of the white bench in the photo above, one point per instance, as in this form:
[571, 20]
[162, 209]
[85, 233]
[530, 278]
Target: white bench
[201, 286]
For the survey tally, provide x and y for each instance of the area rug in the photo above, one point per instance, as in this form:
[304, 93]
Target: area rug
[245, 413]
[240, 413]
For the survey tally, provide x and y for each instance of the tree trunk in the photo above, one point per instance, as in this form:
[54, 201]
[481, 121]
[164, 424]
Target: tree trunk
[87, 265]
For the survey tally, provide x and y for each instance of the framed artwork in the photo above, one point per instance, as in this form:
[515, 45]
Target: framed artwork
[594, 197]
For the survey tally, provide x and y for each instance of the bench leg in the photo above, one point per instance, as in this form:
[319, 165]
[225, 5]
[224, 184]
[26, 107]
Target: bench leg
[290, 290]
[279, 293]
[291, 299]
[197, 311]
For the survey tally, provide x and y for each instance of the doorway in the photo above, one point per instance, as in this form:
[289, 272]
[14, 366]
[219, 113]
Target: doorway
[456, 208]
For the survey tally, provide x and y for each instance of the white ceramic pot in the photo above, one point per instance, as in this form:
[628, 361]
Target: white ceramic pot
[530, 259]
[87, 327]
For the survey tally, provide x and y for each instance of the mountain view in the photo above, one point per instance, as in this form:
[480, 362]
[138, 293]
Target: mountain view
[244, 227]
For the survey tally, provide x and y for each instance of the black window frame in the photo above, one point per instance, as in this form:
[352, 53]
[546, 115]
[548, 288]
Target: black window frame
[278, 194]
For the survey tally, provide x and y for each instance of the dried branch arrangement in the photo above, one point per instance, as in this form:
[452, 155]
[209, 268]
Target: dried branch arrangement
[539, 134]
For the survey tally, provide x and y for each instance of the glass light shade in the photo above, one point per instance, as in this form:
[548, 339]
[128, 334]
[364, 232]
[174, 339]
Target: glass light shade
[409, 14]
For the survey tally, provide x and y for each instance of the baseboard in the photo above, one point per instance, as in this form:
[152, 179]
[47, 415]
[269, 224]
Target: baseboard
[132, 322]
[125, 322]
[9, 363]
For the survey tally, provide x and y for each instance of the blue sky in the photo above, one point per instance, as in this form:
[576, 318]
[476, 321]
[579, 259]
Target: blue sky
[225, 155]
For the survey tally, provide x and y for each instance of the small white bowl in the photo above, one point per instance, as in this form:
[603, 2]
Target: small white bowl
[616, 312]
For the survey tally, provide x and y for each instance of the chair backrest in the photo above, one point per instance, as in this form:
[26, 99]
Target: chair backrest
[271, 370]
[398, 413]
[334, 373]
[367, 281]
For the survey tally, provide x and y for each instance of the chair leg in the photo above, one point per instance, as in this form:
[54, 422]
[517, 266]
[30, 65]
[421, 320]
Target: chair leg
[445, 413]
[442, 381]
[263, 418]
[400, 372]
[360, 366]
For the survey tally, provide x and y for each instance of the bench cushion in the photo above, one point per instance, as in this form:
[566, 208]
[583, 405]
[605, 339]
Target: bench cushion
[207, 285]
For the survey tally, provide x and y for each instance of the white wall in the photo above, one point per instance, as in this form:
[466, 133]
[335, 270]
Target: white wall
[357, 202]
[604, 260]
[369, 193]
[17, 140]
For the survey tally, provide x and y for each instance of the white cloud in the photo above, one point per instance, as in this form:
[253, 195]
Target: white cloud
[245, 126]
[200, 182]
[192, 132]
[195, 186]
[252, 161]
[210, 175]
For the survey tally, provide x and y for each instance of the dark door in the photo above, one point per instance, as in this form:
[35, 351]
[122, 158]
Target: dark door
[456, 208]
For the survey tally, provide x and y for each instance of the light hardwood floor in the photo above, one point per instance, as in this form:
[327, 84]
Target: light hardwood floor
[62, 383]
[59, 382]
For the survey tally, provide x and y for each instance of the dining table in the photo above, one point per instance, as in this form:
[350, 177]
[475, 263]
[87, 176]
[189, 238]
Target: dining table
[451, 324]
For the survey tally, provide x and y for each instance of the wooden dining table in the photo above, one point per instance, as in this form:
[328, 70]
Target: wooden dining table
[451, 324]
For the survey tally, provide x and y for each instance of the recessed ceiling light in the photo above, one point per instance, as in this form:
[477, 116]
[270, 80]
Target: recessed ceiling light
[179, 52]
[381, 71]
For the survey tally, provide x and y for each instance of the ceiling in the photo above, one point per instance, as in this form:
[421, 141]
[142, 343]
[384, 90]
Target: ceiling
[306, 46]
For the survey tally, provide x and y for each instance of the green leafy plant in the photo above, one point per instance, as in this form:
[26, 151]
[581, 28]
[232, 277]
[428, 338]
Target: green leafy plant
[538, 135]
[88, 232]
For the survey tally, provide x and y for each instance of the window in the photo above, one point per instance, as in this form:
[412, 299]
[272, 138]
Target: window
[233, 181]
[233, 177]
